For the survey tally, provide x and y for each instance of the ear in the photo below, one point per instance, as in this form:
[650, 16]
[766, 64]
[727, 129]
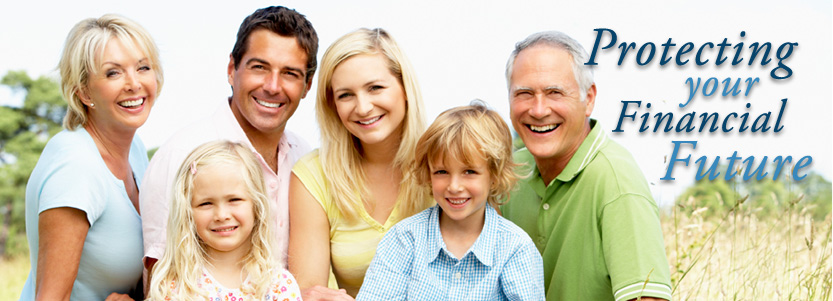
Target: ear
[231, 68]
[307, 85]
[83, 96]
[590, 100]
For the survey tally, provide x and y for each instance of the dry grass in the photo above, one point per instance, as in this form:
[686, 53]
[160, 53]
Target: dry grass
[13, 273]
[740, 256]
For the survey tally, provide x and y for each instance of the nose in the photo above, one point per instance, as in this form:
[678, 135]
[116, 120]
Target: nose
[221, 212]
[272, 83]
[132, 82]
[455, 185]
[539, 107]
[364, 106]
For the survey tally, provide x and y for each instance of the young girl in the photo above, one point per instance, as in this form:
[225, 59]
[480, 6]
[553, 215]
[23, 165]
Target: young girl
[219, 241]
[460, 249]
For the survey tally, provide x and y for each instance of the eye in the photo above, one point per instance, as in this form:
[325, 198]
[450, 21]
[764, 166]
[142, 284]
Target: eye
[440, 172]
[342, 96]
[203, 204]
[257, 67]
[471, 172]
[144, 68]
[293, 74]
[112, 73]
[235, 200]
[375, 88]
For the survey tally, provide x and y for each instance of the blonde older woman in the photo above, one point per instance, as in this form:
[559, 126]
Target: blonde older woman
[82, 218]
[346, 195]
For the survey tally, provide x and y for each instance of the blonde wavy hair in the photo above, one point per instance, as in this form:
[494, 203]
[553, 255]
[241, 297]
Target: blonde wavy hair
[341, 152]
[176, 275]
[82, 54]
[465, 134]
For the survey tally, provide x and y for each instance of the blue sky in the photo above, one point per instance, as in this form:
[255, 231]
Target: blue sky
[460, 49]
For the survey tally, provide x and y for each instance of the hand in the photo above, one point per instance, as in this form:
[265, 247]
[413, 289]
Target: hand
[320, 293]
[118, 297]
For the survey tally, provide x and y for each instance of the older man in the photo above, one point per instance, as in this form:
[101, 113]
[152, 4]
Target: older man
[586, 204]
[270, 70]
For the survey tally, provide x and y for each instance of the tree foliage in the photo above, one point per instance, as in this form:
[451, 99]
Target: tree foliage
[766, 197]
[24, 131]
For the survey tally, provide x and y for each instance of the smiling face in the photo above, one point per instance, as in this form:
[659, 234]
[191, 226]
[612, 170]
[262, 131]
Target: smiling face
[545, 105]
[121, 93]
[369, 99]
[461, 190]
[268, 84]
[223, 209]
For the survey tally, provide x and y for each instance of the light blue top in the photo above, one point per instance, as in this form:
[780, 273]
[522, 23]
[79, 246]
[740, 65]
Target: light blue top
[413, 263]
[71, 173]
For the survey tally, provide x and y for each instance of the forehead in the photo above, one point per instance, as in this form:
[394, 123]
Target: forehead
[360, 68]
[544, 65]
[265, 44]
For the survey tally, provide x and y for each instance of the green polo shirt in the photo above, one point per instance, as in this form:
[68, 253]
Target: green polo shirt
[596, 224]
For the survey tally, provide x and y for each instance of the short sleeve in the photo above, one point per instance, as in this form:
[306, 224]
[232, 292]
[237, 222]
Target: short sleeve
[388, 275]
[73, 176]
[309, 171]
[634, 249]
[284, 287]
[523, 274]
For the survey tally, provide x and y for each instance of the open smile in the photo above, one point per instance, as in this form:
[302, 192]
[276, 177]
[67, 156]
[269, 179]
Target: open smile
[542, 128]
[457, 202]
[225, 230]
[370, 121]
[268, 104]
[132, 103]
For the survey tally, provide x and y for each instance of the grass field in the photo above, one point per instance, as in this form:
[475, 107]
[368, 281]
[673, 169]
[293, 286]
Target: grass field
[733, 256]
[13, 274]
[739, 256]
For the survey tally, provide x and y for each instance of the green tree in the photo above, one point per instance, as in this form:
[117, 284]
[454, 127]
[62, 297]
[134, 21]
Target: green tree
[24, 131]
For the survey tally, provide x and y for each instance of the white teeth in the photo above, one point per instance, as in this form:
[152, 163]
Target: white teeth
[269, 104]
[457, 201]
[132, 103]
[225, 229]
[370, 121]
[542, 129]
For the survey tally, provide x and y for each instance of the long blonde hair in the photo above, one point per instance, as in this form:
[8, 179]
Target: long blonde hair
[340, 151]
[177, 273]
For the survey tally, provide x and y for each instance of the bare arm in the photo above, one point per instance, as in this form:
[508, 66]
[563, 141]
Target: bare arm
[309, 238]
[61, 235]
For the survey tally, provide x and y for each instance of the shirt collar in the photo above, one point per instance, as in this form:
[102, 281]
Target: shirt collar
[231, 130]
[481, 249]
[585, 153]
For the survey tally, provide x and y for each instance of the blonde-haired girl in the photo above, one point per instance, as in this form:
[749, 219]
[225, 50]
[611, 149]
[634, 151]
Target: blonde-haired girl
[346, 195]
[219, 238]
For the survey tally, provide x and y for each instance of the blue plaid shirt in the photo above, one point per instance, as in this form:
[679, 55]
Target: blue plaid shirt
[412, 263]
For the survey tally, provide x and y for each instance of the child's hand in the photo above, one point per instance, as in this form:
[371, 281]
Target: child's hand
[118, 297]
[320, 293]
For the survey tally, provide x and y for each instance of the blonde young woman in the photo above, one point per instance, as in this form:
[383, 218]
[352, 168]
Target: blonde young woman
[82, 199]
[346, 195]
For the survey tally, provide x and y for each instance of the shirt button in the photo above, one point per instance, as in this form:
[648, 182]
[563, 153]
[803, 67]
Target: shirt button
[546, 206]
[457, 275]
[273, 184]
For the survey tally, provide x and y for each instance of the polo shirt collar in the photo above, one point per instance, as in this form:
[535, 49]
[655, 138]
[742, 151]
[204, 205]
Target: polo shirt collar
[588, 150]
[481, 249]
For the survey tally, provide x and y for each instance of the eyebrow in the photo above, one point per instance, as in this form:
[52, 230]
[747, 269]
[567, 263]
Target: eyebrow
[368, 83]
[119, 65]
[257, 60]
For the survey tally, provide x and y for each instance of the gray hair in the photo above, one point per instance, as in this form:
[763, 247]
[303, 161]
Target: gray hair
[583, 73]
